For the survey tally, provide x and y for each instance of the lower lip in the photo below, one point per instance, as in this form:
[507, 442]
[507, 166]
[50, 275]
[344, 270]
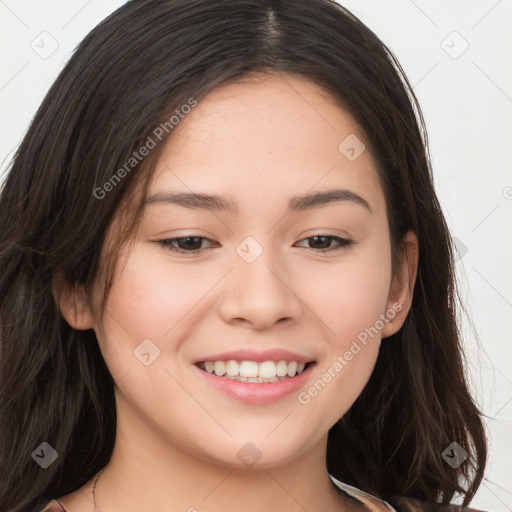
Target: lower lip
[256, 392]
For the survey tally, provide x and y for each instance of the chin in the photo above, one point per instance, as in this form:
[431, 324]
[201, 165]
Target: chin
[255, 454]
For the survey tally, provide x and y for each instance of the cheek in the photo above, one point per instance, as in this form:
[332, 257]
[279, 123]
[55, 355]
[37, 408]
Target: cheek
[349, 295]
[149, 300]
[151, 294]
[350, 299]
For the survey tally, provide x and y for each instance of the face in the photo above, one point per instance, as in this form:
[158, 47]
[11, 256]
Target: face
[259, 274]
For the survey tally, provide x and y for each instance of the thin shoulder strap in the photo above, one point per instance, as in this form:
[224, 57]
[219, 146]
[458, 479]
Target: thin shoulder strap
[54, 506]
[60, 505]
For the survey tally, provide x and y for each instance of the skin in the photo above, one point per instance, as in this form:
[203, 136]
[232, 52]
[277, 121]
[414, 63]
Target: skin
[259, 141]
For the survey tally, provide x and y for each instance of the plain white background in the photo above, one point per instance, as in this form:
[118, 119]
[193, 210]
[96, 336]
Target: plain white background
[458, 57]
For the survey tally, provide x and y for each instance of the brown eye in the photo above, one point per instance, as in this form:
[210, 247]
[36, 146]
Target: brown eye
[323, 243]
[187, 244]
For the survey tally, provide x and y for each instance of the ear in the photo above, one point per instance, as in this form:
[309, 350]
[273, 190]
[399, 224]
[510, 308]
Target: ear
[402, 284]
[72, 303]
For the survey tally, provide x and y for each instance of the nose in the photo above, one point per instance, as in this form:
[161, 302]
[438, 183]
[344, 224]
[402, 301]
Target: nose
[260, 294]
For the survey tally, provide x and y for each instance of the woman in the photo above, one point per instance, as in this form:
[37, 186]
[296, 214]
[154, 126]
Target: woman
[227, 279]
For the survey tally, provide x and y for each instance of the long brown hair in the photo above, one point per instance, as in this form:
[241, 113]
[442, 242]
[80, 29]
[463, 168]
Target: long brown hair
[126, 79]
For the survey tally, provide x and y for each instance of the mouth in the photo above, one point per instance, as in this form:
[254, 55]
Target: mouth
[256, 382]
[254, 372]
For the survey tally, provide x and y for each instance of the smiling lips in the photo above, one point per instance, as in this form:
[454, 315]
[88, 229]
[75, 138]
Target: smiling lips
[255, 376]
[253, 371]
[255, 390]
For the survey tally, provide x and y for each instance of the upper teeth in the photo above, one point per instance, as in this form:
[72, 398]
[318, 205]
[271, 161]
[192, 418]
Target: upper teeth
[248, 369]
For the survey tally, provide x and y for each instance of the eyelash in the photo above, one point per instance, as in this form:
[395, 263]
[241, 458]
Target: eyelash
[167, 243]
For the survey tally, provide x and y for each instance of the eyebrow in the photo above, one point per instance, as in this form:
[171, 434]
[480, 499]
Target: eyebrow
[218, 203]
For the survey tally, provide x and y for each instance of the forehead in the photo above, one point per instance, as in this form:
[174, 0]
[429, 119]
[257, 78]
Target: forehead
[267, 137]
